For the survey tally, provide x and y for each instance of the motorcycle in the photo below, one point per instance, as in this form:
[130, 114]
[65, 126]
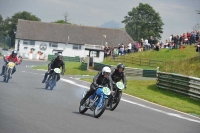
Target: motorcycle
[8, 71]
[52, 79]
[116, 97]
[96, 102]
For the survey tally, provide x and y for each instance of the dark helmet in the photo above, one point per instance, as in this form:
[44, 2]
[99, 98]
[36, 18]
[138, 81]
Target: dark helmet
[14, 53]
[59, 55]
[120, 65]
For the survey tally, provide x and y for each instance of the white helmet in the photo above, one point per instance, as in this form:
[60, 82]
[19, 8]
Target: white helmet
[106, 69]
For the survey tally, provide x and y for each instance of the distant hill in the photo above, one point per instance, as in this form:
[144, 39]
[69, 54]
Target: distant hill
[112, 24]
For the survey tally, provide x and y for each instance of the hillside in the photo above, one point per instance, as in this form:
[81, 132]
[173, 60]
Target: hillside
[184, 61]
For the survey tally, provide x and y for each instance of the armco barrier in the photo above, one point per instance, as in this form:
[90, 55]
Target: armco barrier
[65, 58]
[133, 71]
[128, 70]
[179, 83]
[99, 66]
[149, 73]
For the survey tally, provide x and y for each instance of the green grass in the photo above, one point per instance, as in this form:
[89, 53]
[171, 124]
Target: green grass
[175, 61]
[72, 68]
[146, 89]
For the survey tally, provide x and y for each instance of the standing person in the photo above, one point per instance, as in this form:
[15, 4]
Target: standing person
[129, 47]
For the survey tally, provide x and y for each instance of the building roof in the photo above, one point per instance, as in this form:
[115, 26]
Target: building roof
[53, 32]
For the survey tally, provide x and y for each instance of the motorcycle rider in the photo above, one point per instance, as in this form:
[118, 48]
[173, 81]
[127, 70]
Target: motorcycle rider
[118, 74]
[55, 63]
[101, 79]
[10, 58]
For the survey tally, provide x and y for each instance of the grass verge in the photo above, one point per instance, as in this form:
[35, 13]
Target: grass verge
[185, 62]
[72, 68]
[146, 89]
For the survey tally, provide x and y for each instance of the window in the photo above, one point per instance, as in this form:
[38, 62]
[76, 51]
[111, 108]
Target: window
[76, 46]
[25, 42]
[97, 54]
[32, 42]
[53, 44]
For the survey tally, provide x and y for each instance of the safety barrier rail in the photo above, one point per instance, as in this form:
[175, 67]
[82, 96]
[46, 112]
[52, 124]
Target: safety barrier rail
[179, 83]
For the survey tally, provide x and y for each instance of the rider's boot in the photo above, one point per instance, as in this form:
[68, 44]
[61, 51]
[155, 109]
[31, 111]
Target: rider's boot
[44, 79]
[84, 99]
[3, 69]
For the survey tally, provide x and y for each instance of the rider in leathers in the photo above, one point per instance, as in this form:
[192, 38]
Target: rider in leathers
[13, 58]
[117, 75]
[55, 63]
[101, 79]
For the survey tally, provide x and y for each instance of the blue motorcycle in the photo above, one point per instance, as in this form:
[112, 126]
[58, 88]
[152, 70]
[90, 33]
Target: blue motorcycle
[51, 81]
[96, 102]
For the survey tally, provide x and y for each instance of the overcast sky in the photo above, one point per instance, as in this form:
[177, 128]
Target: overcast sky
[178, 15]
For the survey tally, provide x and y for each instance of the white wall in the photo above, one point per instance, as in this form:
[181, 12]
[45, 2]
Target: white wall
[67, 50]
[100, 58]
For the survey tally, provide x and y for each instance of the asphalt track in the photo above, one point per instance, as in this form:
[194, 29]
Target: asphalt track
[26, 107]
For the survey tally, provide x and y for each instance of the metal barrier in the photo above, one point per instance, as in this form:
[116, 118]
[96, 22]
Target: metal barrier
[128, 70]
[179, 83]
[99, 66]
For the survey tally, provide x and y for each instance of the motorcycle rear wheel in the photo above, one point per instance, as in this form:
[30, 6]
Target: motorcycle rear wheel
[97, 111]
[82, 109]
[7, 75]
[115, 103]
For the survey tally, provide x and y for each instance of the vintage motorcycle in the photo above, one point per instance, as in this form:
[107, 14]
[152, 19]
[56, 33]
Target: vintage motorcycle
[8, 71]
[52, 79]
[116, 97]
[96, 102]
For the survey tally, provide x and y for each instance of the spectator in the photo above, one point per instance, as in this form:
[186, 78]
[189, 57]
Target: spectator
[147, 45]
[198, 46]
[129, 47]
[156, 47]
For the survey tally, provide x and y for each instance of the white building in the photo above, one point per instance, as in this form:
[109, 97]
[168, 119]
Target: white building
[70, 40]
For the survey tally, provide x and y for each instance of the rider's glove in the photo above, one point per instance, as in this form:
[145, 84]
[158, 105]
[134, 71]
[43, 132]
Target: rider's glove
[100, 86]
[62, 73]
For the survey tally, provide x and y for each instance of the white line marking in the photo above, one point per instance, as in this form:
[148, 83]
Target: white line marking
[141, 105]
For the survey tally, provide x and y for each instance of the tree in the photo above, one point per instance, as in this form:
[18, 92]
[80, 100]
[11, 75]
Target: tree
[66, 15]
[143, 22]
[196, 27]
[1, 25]
[198, 11]
[10, 24]
[61, 22]
[66, 21]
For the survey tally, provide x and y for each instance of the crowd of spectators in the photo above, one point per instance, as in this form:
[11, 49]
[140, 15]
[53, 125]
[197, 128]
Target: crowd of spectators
[173, 42]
